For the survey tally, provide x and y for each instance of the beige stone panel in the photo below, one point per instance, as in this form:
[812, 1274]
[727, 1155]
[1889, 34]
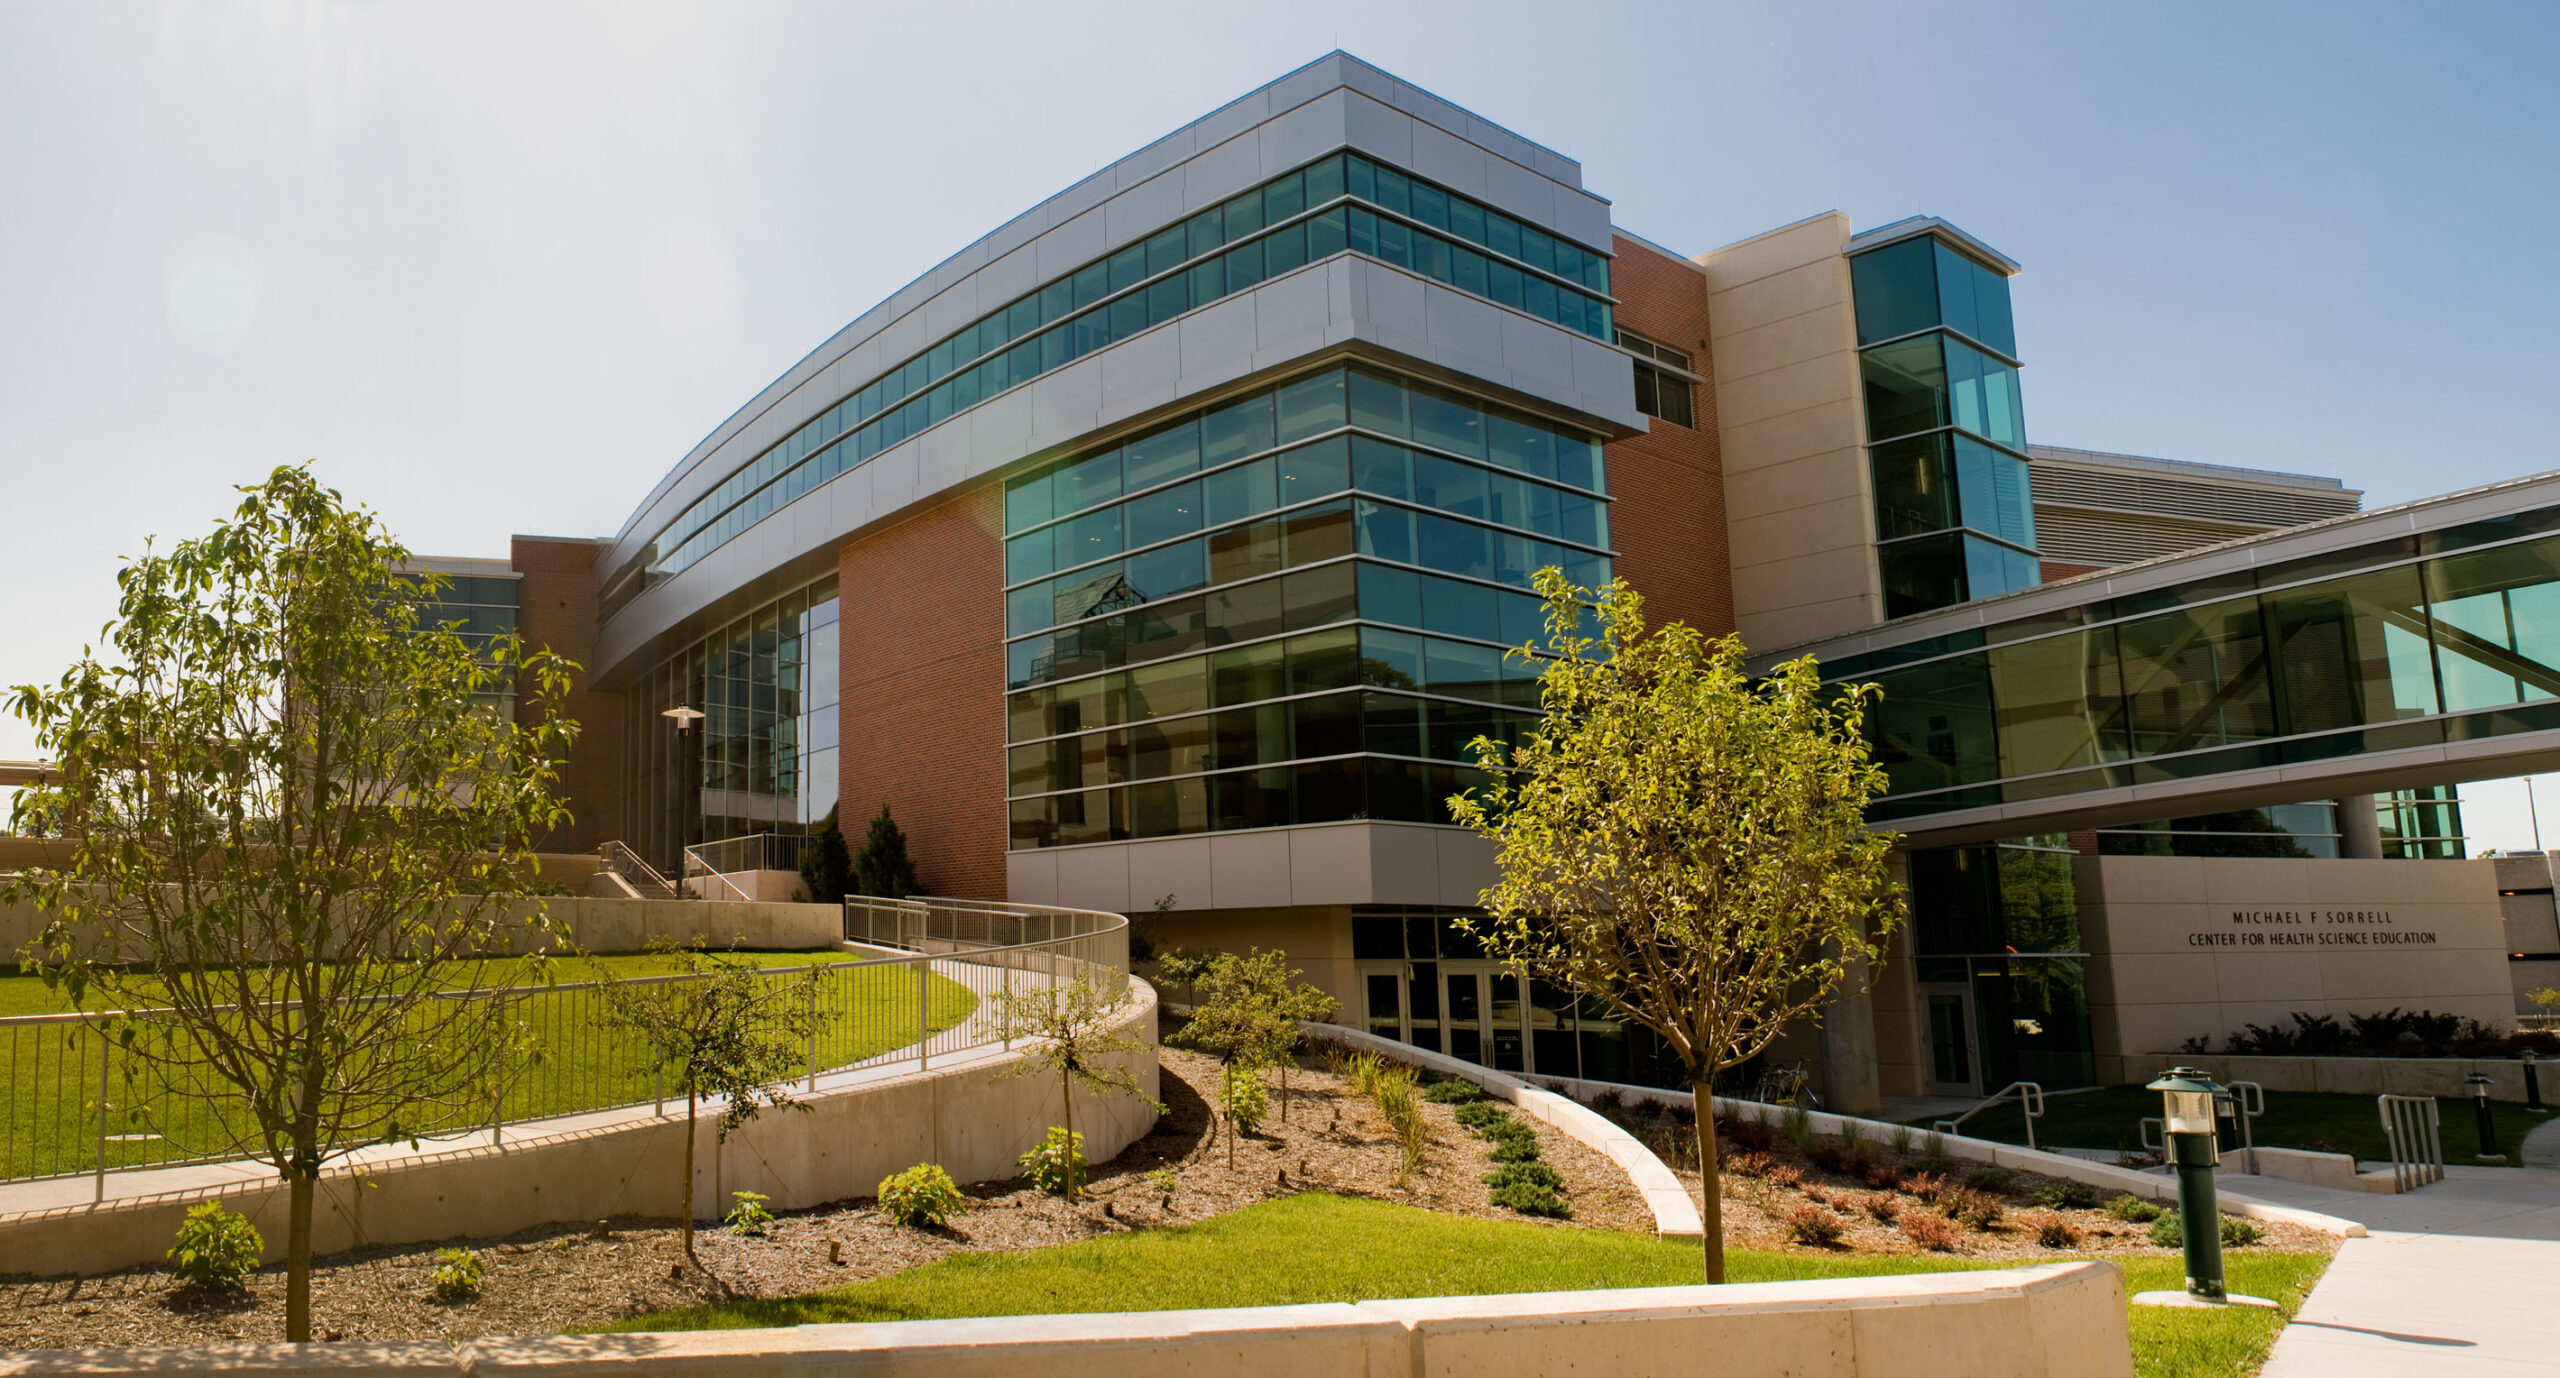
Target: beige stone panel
[1826, 333]
[1176, 866]
[1817, 576]
[1249, 869]
[1796, 387]
[1811, 240]
[1827, 429]
[1778, 627]
[1330, 865]
[1784, 487]
[1803, 291]
[2266, 975]
[2147, 978]
[1801, 531]
[2144, 1029]
[1406, 862]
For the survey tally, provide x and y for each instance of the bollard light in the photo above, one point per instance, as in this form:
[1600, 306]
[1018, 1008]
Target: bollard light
[2533, 1084]
[2478, 1085]
[2194, 1149]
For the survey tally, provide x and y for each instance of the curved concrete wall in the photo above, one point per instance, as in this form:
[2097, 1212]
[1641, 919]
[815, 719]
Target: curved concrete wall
[2062, 1320]
[972, 1114]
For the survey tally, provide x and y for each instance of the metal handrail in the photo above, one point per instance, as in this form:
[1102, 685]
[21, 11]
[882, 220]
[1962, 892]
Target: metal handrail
[48, 1073]
[2413, 1127]
[2030, 1099]
[2248, 1100]
[618, 859]
[694, 865]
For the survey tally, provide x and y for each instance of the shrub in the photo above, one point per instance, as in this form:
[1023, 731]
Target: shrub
[1813, 1192]
[1532, 1174]
[1393, 1088]
[1247, 1104]
[459, 1273]
[1884, 1206]
[1683, 1116]
[2236, 1232]
[1798, 1127]
[1452, 1092]
[1881, 1175]
[1609, 1100]
[1165, 1180]
[749, 1216]
[1751, 1136]
[1364, 1069]
[1477, 1114]
[2133, 1210]
[1783, 1177]
[2055, 1232]
[1811, 1224]
[1902, 1139]
[1750, 1164]
[1929, 1232]
[216, 1249]
[1925, 1185]
[1052, 1162]
[1519, 1146]
[1529, 1198]
[1996, 1180]
[1978, 1210]
[2067, 1196]
[925, 1195]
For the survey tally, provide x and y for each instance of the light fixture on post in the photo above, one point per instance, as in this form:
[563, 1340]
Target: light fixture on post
[686, 715]
[2194, 1148]
[2478, 1085]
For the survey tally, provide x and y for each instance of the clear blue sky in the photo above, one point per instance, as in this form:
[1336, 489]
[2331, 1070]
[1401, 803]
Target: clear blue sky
[496, 268]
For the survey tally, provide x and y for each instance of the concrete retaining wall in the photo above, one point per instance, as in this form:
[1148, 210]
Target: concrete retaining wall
[2066, 1320]
[2368, 1076]
[971, 1114]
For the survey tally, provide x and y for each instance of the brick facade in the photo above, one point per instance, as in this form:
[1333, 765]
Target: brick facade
[1668, 522]
[556, 610]
[923, 691]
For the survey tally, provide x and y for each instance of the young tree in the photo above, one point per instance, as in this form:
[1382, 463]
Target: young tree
[884, 870]
[1248, 1008]
[826, 867]
[719, 1027]
[1683, 844]
[294, 837]
[1070, 1025]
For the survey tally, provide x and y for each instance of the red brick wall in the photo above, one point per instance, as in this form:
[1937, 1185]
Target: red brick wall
[923, 686]
[556, 610]
[1668, 520]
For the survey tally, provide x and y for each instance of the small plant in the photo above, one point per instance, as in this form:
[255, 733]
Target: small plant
[1364, 1069]
[1848, 1158]
[749, 1217]
[1529, 1198]
[1783, 1177]
[1929, 1232]
[1054, 1162]
[1926, 1186]
[1609, 1100]
[921, 1196]
[1883, 1206]
[1974, 1209]
[1853, 1135]
[1881, 1175]
[2133, 1210]
[1452, 1092]
[1814, 1225]
[1247, 1103]
[2055, 1232]
[1751, 1164]
[1477, 1114]
[1393, 1088]
[459, 1273]
[1533, 1174]
[2237, 1233]
[2067, 1196]
[1749, 1135]
[216, 1250]
[1814, 1192]
[1515, 1143]
[1902, 1140]
[1798, 1127]
[1165, 1180]
[1996, 1180]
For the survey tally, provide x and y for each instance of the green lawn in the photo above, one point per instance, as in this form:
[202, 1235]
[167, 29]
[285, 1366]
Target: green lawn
[49, 1075]
[2111, 1118]
[1317, 1248]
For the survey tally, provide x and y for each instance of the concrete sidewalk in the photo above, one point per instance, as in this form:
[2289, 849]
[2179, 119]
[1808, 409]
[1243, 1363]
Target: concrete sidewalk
[2458, 1278]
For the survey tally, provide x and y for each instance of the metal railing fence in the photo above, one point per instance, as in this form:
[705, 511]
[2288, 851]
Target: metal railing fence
[2414, 1129]
[755, 852]
[645, 880]
[84, 1093]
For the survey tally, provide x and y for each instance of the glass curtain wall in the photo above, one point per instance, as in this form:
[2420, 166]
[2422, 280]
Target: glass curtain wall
[2440, 640]
[1946, 437]
[481, 608]
[2000, 923]
[762, 757]
[1288, 608]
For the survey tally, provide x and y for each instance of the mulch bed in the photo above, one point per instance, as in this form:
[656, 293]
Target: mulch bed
[573, 1276]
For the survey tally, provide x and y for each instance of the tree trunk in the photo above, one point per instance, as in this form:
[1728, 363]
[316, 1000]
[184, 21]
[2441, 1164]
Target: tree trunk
[690, 1100]
[301, 1180]
[1067, 1098]
[1710, 1179]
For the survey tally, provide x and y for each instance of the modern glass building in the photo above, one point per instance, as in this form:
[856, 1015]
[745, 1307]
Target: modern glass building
[1163, 550]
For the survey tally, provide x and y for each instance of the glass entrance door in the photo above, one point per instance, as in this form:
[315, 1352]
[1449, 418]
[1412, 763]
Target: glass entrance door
[1466, 1015]
[1955, 1065]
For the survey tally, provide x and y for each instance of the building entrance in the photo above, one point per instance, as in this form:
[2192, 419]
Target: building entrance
[1468, 1009]
[1955, 1068]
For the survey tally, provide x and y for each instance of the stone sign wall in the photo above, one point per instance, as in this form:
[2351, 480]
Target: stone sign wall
[2182, 947]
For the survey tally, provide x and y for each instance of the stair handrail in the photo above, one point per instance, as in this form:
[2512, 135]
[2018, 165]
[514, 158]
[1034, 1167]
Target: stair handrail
[618, 858]
[693, 860]
[2030, 1099]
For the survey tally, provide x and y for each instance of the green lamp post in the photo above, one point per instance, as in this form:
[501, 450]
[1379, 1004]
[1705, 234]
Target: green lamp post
[2194, 1151]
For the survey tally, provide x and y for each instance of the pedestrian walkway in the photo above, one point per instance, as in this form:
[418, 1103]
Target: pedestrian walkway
[2454, 1280]
[2541, 1147]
